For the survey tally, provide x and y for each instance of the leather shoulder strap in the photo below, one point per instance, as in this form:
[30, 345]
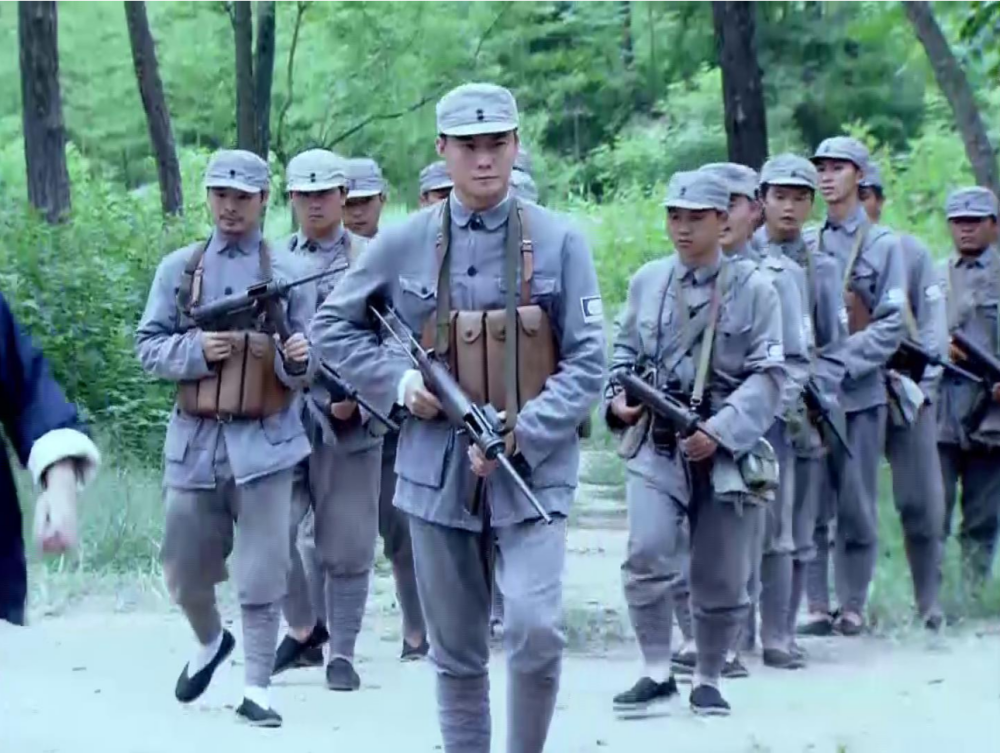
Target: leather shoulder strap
[189, 291]
[852, 259]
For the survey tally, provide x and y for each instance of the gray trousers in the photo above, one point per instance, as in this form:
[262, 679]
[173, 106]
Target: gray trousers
[978, 470]
[342, 492]
[455, 593]
[817, 569]
[200, 531]
[918, 491]
[721, 543]
[394, 528]
[810, 485]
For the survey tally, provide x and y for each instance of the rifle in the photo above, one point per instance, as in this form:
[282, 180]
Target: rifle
[482, 424]
[830, 421]
[913, 359]
[979, 358]
[340, 390]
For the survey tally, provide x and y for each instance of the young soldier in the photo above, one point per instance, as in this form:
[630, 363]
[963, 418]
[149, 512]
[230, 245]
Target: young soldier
[451, 257]
[230, 449]
[365, 197]
[969, 419]
[673, 309]
[874, 293]
[911, 431]
[435, 184]
[787, 190]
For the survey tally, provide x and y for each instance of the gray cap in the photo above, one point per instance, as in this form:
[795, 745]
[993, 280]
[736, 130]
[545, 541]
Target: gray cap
[971, 202]
[523, 186]
[872, 177]
[789, 170]
[697, 189]
[239, 169]
[435, 177]
[742, 180]
[522, 162]
[472, 109]
[364, 178]
[845, 148]
[316, 170]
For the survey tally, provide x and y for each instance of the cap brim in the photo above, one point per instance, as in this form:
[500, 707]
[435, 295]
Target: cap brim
[477, 129]
[839, 157]
[235, 184]
[439, 186]
[696, 205]
[364, 193]
[311, 187]
[792, 182]
[977, 214]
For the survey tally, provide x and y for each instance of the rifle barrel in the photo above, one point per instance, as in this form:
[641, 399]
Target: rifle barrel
[519, 482]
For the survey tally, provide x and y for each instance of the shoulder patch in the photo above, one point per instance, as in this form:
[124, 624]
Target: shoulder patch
[933, 293]
[842, 315]
[593, 309]
[775, 351]
[896, 297]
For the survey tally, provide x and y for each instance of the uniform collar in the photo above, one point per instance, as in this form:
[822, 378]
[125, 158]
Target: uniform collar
[327, 243]
[977, 262]
[851, 223]
[744, 251]
[771, 245]
[244, 244]
[492, 218]
[703, 274]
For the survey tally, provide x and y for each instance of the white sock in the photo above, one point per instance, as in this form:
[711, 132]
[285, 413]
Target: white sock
[689, 647]
[732, 656]
[699, 680]
[657, 671]
[257, 695]
[204, 655]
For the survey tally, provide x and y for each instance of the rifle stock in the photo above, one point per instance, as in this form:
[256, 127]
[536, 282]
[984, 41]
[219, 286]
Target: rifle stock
[979, 359]
[340, 390]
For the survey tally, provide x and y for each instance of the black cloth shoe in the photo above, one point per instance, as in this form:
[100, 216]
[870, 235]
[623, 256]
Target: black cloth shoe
[292, 653]
[708, 701]
[934, 622]
[848, 627]
[340, 675]
[817, 626]
[190, 688]
[734, 669]
[255, 716]
[797, 651]
[775, 658]
[414, 653]
[683, 663]
[643, 694]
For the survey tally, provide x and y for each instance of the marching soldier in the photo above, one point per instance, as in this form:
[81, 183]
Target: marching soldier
[911, 433]
[968, 416]
[466, 255]
[339, 481]
[435, 184]
[684, 314]
[235, 435]
[365, 197]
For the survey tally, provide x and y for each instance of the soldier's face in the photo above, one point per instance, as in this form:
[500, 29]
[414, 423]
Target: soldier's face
[318, 212]
[361, 215]
[428, 198]
[872, 202]
[695, 233]
[786, 209]
[972, 234]
[838, 180]
[742, 222]
[480, 165]
[236, 212]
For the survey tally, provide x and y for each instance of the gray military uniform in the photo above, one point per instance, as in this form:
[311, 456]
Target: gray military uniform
[435, 481]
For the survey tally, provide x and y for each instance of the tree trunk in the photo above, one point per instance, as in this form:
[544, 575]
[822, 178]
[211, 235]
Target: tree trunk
[628, 48]
[246, 121]
[41, 104]
[955, 86]
[742, 88]
[264, 74]
[161, 135]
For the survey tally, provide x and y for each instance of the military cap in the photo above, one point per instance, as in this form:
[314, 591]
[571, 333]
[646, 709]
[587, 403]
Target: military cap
[789, 170]
[522, 162]
[472, 109]
[742, 180]
[971, 202]
[523, 186]
[697, 189]
[239, 169]
[872, 177]
[364, 178]
[316, 170]
[435, 177]
[843, 148]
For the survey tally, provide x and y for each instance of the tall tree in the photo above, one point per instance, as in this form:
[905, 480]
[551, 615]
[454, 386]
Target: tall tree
[161, 135]
[264, 74]
[246, 119]
[742, 86]
[41, 104]
[953, 83]
[628, 46]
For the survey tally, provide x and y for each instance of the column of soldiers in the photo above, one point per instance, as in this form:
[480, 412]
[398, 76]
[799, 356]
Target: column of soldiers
[775, 343]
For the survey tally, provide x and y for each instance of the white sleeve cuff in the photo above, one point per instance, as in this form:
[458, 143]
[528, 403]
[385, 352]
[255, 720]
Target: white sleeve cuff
[409, 376]
[60, 444]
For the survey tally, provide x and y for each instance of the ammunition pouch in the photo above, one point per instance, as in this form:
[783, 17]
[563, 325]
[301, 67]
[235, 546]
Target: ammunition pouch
[858, 315]
[752, 477]
[244, 386]
[905, 399]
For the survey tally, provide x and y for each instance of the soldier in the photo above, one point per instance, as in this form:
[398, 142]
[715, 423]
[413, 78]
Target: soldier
[673, 309]
[230, 449]
[969, 419]
[911, 432]
[787, 190]
[340, 480]
[365, 197]
[874, 293]
[463, 255]
[435, 183]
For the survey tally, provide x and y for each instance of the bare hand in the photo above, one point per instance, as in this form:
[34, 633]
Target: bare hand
[296, 348]
[699, 447]
[217, 346]
[421, 402]
[483, 467]
[343, 410]
[956, 354]
[627, 415]
[55, 512]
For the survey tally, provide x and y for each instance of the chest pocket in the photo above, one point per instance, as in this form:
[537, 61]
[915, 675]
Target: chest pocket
[653, 332]
[328, 284]
[732, 339]
[544, 289]
[417, 298]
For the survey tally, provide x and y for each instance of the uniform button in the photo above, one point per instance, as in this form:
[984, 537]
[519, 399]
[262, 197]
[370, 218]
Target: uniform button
[472, 271]
[229, 291]
[423, 291]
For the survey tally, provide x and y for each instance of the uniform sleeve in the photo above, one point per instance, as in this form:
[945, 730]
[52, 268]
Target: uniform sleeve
[829, 327]
[750, 409]
[796, 334]
[552, 418]
[626, 345]
[164, 351]
[927, 300]
[300, 308]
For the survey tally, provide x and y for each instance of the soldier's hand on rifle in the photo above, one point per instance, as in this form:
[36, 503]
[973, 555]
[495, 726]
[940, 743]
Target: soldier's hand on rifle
[956, 354]
[418, 399]
[296, 348]
[627, 415]
[698, 447]
[343, 410]
[483, 467]
[216, 345]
